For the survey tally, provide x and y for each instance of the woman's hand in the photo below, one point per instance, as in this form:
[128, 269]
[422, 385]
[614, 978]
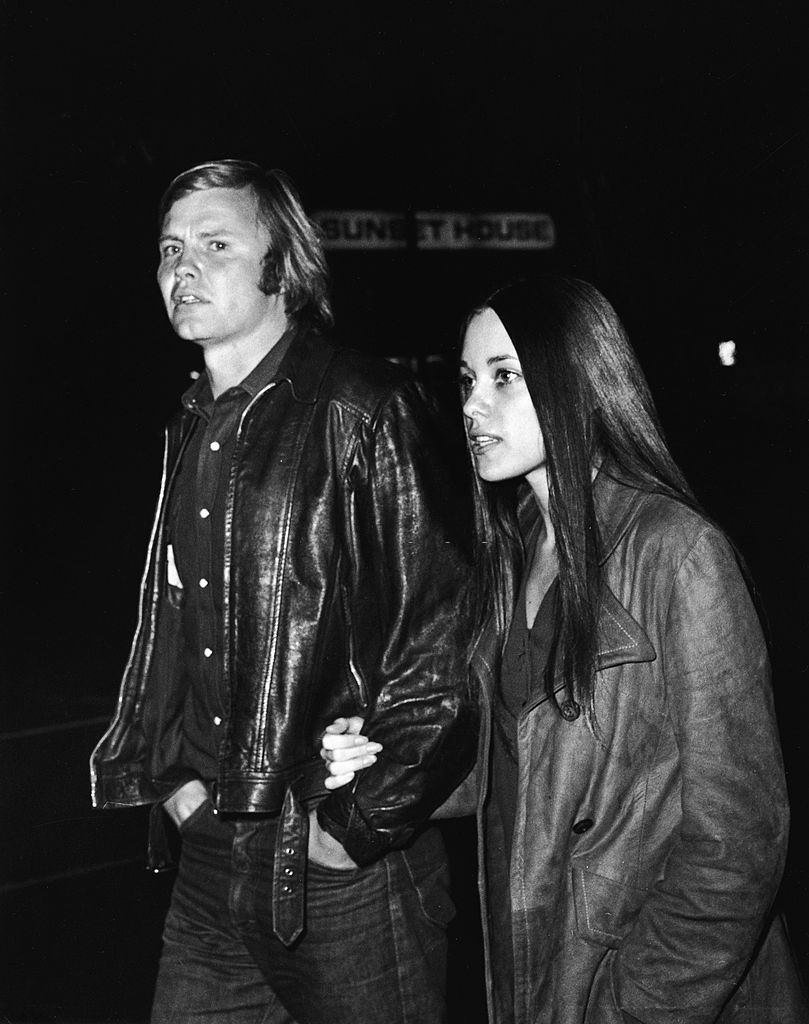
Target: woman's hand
[345, 751]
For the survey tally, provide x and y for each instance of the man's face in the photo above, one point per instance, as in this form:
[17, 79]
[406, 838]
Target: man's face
[211, 250]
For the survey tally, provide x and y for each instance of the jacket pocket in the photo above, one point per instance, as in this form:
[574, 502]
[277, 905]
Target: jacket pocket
[605, 909]
[199, 812]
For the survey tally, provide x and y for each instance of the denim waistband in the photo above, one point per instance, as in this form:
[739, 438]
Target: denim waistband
[289, 866]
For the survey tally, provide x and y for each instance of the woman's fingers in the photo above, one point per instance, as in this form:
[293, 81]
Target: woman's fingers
[341, 747]
[343, 771]
[346, 751]
[351, 725]
[336, 781]
[351, 760]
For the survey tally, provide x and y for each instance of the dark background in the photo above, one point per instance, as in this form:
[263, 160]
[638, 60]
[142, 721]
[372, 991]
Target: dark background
[666, 140]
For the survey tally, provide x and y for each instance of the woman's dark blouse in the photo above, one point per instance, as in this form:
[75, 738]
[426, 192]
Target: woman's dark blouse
[521, 682]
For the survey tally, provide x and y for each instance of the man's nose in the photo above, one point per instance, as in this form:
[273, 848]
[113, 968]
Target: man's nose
[187, 266]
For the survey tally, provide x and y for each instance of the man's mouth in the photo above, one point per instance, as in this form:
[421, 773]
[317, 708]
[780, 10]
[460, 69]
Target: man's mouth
[481, 443]
[186, 300]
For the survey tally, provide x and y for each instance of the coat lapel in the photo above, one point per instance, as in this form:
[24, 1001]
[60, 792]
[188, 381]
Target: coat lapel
[620, 638]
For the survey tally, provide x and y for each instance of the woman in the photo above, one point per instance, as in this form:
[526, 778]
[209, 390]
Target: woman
[631, 803]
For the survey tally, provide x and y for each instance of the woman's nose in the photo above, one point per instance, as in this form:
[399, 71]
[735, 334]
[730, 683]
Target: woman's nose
[472, 406]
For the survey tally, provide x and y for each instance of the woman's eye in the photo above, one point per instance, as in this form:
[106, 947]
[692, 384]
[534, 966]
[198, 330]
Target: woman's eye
[465, 383]
[506, 376]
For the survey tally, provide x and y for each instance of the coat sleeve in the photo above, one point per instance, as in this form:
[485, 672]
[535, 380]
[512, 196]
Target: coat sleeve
[408, 615]
[698, 928]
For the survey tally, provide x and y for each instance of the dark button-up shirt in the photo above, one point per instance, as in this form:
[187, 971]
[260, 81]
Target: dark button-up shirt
[522, 679]
[197, 536]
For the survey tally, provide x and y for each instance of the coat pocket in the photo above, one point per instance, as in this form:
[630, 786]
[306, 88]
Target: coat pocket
[605, 908]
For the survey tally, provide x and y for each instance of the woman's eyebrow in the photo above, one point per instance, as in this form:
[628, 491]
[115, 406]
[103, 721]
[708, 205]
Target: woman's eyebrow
[490, 361]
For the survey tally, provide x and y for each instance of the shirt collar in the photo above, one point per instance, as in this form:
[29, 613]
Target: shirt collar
[261, 375]
[198, 399]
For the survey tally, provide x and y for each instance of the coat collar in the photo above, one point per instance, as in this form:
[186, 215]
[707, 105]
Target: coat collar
[621, 639]
[617, 503]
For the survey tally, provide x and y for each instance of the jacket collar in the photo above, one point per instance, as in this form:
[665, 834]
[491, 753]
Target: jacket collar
[621, 639]
[305, 364]
[616, 505]
[305, 357]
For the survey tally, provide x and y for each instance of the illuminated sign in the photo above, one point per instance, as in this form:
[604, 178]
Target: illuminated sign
[378, 229]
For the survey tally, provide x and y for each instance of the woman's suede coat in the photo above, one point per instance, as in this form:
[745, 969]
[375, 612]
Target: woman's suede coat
[645, 862]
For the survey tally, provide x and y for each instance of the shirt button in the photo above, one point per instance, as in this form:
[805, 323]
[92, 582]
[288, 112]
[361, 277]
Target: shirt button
[203, 583]
[217, 720]
[207, 652]
[583, 826]
[204, 513]
[215, 446]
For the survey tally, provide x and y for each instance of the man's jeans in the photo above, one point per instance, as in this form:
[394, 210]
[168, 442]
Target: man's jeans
[373, 950]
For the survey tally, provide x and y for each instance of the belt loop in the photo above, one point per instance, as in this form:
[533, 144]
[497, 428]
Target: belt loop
[158, 857]
[289, 869]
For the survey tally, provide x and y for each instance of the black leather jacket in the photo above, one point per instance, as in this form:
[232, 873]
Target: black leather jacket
[345, 593]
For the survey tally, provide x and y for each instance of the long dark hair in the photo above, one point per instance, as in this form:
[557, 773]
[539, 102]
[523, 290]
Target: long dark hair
[594, 407]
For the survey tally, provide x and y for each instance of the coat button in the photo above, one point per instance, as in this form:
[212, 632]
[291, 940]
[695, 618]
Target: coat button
[583, 826]
[570, 710]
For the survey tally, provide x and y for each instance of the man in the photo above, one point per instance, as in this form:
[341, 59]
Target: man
[304, 564]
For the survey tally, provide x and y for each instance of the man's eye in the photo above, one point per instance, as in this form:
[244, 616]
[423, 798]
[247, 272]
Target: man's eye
[218, 246]
[169, 250]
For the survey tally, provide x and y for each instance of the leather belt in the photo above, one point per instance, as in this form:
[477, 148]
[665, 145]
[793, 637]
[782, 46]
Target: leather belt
[289, 869]
[291, 855]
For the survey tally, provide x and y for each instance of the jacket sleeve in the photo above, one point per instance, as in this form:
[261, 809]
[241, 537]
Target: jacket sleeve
[698, 928]
[409, 626]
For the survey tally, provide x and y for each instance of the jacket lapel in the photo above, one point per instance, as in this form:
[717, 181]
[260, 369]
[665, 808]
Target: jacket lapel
[621, 640]
[620, 637]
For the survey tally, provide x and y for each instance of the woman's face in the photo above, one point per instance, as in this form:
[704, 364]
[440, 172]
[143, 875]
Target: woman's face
[501, 422]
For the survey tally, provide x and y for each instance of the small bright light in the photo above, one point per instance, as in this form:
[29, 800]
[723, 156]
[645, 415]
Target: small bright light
[727, 353]
[194, 374]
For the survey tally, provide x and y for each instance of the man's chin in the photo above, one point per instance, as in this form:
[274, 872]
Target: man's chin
[190, 332]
